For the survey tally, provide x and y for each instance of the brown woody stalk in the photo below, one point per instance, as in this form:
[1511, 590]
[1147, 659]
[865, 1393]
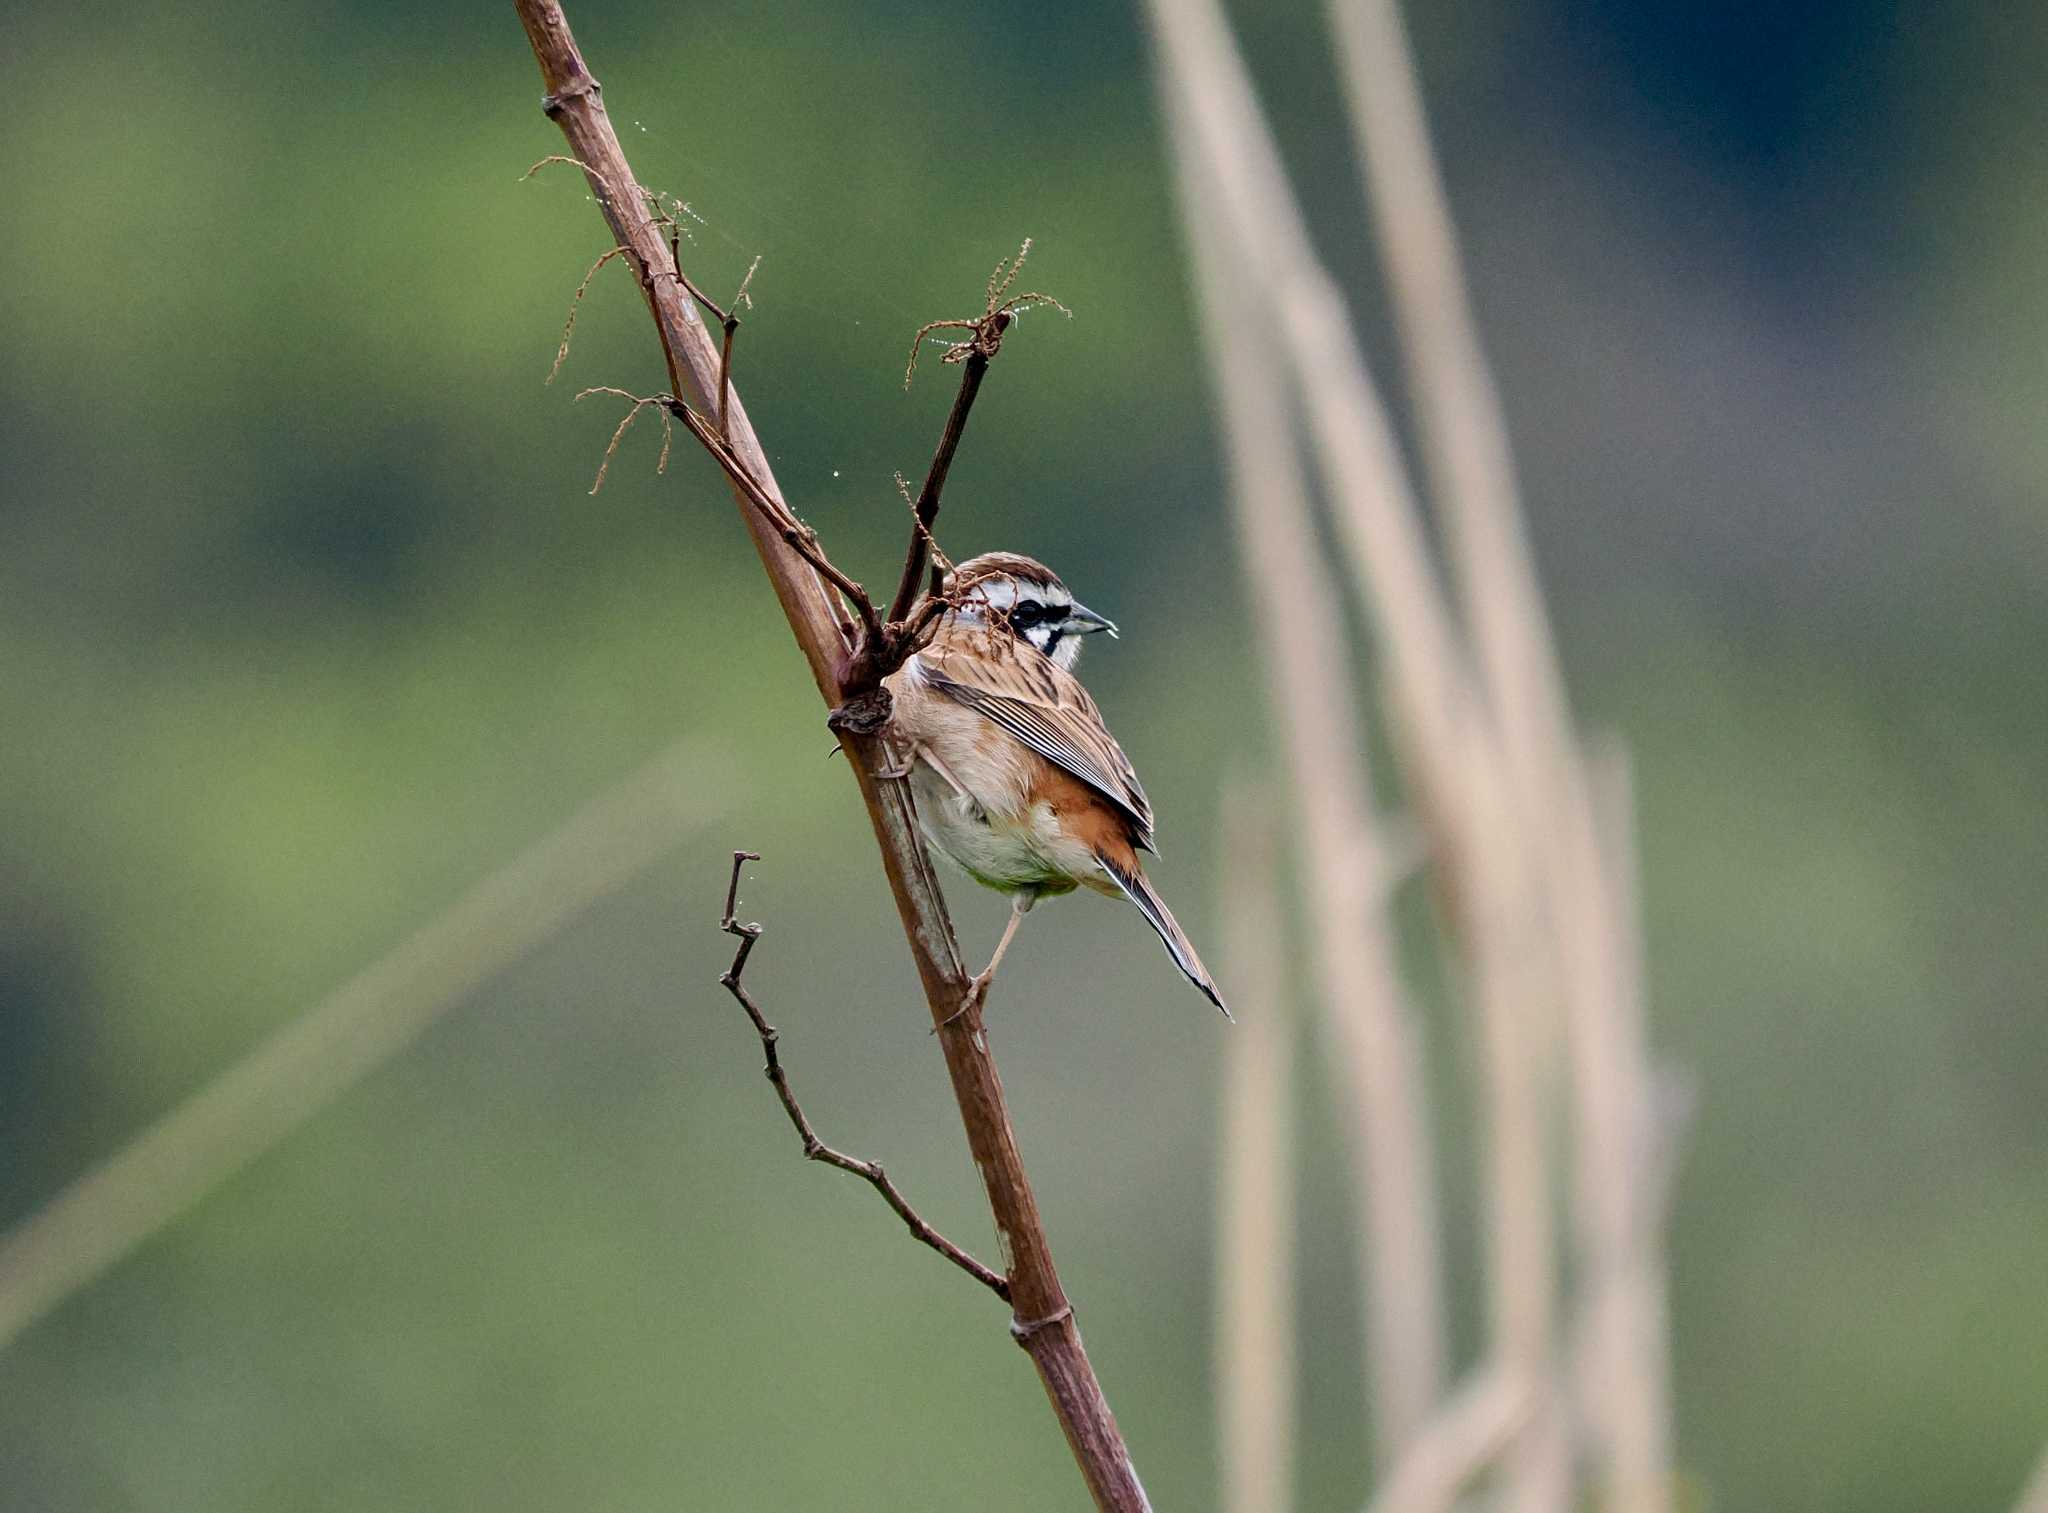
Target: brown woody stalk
[1043, 1320]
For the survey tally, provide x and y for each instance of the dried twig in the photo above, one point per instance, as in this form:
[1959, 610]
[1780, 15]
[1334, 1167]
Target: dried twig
[660, 403]
[563, 157]
[727, 316]
[814, 1148]
[975, 352]
[985, 331]
[569, 325]
[925, 508]
[800, 538]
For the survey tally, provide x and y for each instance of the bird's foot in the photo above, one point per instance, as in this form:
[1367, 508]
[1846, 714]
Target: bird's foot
[972, 1000]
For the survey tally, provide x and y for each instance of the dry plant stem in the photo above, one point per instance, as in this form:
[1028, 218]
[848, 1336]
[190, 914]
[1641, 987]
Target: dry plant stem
[1440, 730]
[1471, 467]
[1628, 1364]
[926, 510]
[319, 1054]
[1472, 1428]
[1375, 1065]
[1043, 1321]
[1238, 167]
[814, 1148]
[2034, 1498]
[1502, 942]
[1255, 1356]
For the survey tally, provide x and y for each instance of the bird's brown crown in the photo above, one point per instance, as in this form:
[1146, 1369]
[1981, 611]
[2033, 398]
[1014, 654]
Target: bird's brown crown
[989, 565]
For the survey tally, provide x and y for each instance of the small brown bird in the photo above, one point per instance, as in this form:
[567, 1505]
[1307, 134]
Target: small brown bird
[1015, 776]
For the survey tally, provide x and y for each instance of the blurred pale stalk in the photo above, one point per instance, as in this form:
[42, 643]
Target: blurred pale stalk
[1503, 947]
[1363, 1011]
[1470, 461]
[334, 1044]
[1233, 168]
[1482, 1416]
[2035, 1498]
[1625, 1374]
[1449, 759]
[1255, 1325]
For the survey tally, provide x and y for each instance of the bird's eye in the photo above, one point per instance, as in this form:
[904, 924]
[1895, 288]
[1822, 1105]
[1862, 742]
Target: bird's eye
[1030, 612]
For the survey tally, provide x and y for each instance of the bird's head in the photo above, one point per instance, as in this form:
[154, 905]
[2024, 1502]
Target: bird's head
[1005, 589]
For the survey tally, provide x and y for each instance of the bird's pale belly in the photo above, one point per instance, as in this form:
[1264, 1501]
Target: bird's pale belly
[1007, 852]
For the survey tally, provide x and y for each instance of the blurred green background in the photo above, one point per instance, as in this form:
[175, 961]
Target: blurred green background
[307, 622]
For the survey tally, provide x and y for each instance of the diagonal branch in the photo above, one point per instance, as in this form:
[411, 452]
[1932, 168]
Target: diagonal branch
[814, 1148]
[974, 352]
[1044, 1322]
[926, 510]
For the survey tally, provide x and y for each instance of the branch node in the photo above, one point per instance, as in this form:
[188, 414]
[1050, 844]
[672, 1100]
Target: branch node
[552, 105]
[985, 331]
[663, 405]
[864, 714]
[1022, 1330]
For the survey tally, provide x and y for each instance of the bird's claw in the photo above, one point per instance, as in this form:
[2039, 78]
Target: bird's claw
[971, 1001]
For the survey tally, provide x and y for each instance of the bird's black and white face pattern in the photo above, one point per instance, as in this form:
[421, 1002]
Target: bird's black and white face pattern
[1036, 606]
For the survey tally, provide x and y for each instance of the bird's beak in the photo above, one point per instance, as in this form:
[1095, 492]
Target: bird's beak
[1084, 620]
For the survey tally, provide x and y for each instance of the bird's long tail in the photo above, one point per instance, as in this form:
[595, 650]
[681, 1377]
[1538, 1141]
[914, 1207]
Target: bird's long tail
[1138, 889]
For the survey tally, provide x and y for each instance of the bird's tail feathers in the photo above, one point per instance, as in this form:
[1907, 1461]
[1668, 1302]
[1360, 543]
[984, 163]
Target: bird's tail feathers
[1138, 889]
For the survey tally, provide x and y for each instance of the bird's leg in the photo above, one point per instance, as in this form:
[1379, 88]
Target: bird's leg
[1020, 905]
[977, 986]
[903, 768]
[931, 760]
[920, 753]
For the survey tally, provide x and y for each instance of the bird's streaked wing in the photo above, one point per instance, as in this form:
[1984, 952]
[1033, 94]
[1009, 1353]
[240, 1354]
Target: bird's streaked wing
[1045, 707]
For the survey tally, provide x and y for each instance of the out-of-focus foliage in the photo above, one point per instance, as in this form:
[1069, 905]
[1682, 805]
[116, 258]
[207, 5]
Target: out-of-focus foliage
[306, 622]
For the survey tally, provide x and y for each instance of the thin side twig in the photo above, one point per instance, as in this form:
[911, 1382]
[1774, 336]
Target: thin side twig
[576, 304]
[799, 537]
[640, 402]
[727, 316]
[974, 353]
[925, 509]
[814, 1148]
